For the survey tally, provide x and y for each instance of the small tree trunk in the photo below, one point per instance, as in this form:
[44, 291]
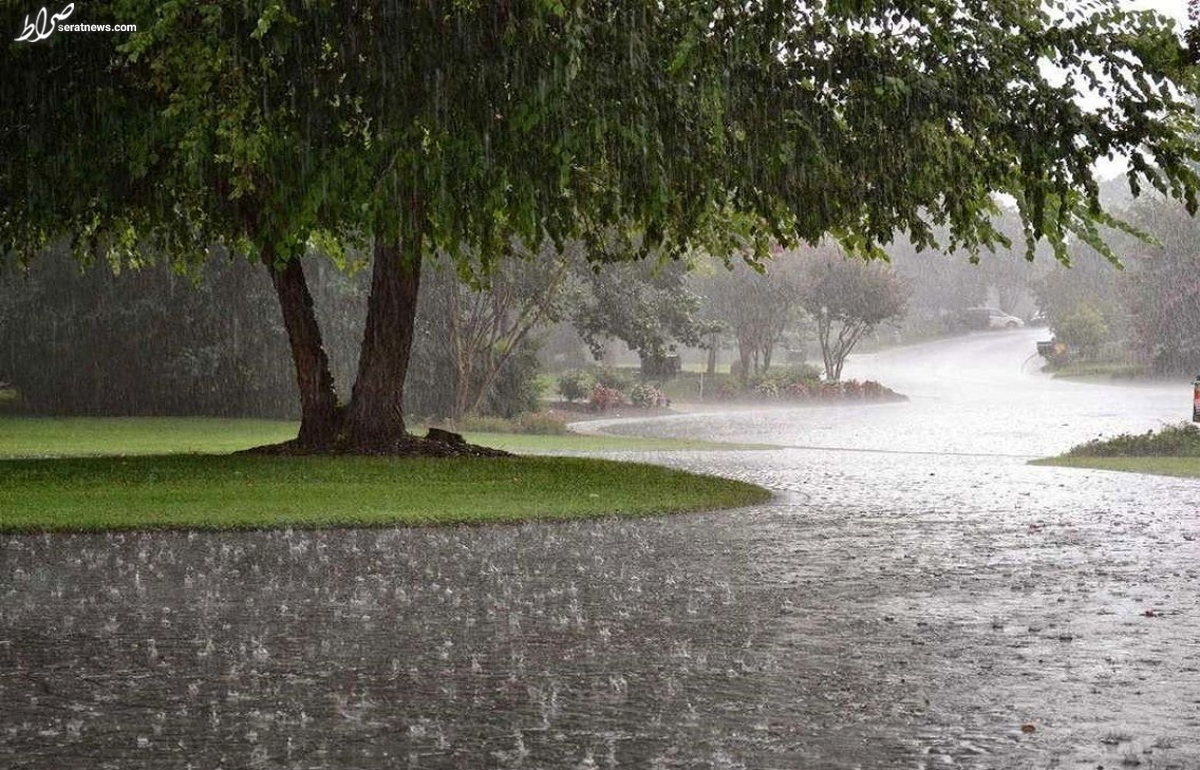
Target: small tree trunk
[375, 417]
[318, 400]
[463, 354]
[832, 371]
[745, 347]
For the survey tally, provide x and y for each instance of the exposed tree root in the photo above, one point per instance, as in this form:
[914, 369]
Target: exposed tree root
[438, 443]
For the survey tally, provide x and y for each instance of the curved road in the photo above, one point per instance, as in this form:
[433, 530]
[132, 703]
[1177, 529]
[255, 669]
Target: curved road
[980, 394]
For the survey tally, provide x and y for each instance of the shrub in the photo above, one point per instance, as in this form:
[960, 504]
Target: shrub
[803, 383]
[798, 390]
[612, 378]
[516, 390]
[541, 424]
[1084, 328]
[576, 384]
[604, 398]
[798, 381]
[767, 388]
[830, 390]
[645, 395]
[1180, 440]
[798, 373]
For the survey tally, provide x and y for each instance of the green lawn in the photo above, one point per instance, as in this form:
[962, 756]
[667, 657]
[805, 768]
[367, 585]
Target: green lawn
[151, 473]
[1172, 450]
[1102, 372]
[83, 436]
[1161, 466]
[86, 436]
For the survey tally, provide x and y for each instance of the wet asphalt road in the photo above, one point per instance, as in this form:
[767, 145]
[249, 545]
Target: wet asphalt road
[915, 597]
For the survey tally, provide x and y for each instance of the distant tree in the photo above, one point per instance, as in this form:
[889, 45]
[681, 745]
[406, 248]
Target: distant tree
[942, 284]
[755, 308]
[648, 305]
[1083, 328]
[576, 384]
[1162, 292]
[1085, 304]
[848, 298]
[490, 323]
[147, 341]
[434, 126]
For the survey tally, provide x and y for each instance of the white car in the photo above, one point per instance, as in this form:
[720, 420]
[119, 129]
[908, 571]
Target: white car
[990, 318]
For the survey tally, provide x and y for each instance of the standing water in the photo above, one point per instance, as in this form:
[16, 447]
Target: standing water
[916, 596]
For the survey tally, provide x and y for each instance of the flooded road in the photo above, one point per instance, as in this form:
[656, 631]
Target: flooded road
[979, 394]
[915, 597]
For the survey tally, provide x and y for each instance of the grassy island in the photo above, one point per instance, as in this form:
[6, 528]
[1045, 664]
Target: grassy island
[151, 473]
[1171, 451]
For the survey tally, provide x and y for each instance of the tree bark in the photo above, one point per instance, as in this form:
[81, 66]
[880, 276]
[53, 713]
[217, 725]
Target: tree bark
[318, 399]
[375, 418]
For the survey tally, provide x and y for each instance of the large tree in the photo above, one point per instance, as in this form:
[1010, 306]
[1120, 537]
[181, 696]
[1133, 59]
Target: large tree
[453, 124]
[1162, 293]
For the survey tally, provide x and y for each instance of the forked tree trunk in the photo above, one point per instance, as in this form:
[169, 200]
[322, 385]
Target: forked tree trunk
[375, 417]
[318, 400]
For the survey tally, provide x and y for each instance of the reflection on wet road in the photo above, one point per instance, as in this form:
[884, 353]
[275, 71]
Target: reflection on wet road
[915, 597]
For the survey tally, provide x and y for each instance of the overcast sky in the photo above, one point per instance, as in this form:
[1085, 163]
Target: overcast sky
[1176, 9]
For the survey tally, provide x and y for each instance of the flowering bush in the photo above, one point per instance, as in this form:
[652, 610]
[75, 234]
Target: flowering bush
[604, 398]
[646, 396]
[767, 389]
[804, 386]
[798, 390]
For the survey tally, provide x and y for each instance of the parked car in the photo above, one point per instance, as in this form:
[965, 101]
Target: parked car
[989, 318]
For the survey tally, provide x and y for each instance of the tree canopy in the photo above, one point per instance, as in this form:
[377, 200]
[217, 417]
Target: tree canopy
[847, 298]
[457, 125]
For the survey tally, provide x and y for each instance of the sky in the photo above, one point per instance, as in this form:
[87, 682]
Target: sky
[1176, 9]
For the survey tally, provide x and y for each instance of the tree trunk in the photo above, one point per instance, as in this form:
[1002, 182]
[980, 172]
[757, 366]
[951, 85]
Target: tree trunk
[745, 350]
[375, 417]
[464, 354]
[827, 357]
[318, 400]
